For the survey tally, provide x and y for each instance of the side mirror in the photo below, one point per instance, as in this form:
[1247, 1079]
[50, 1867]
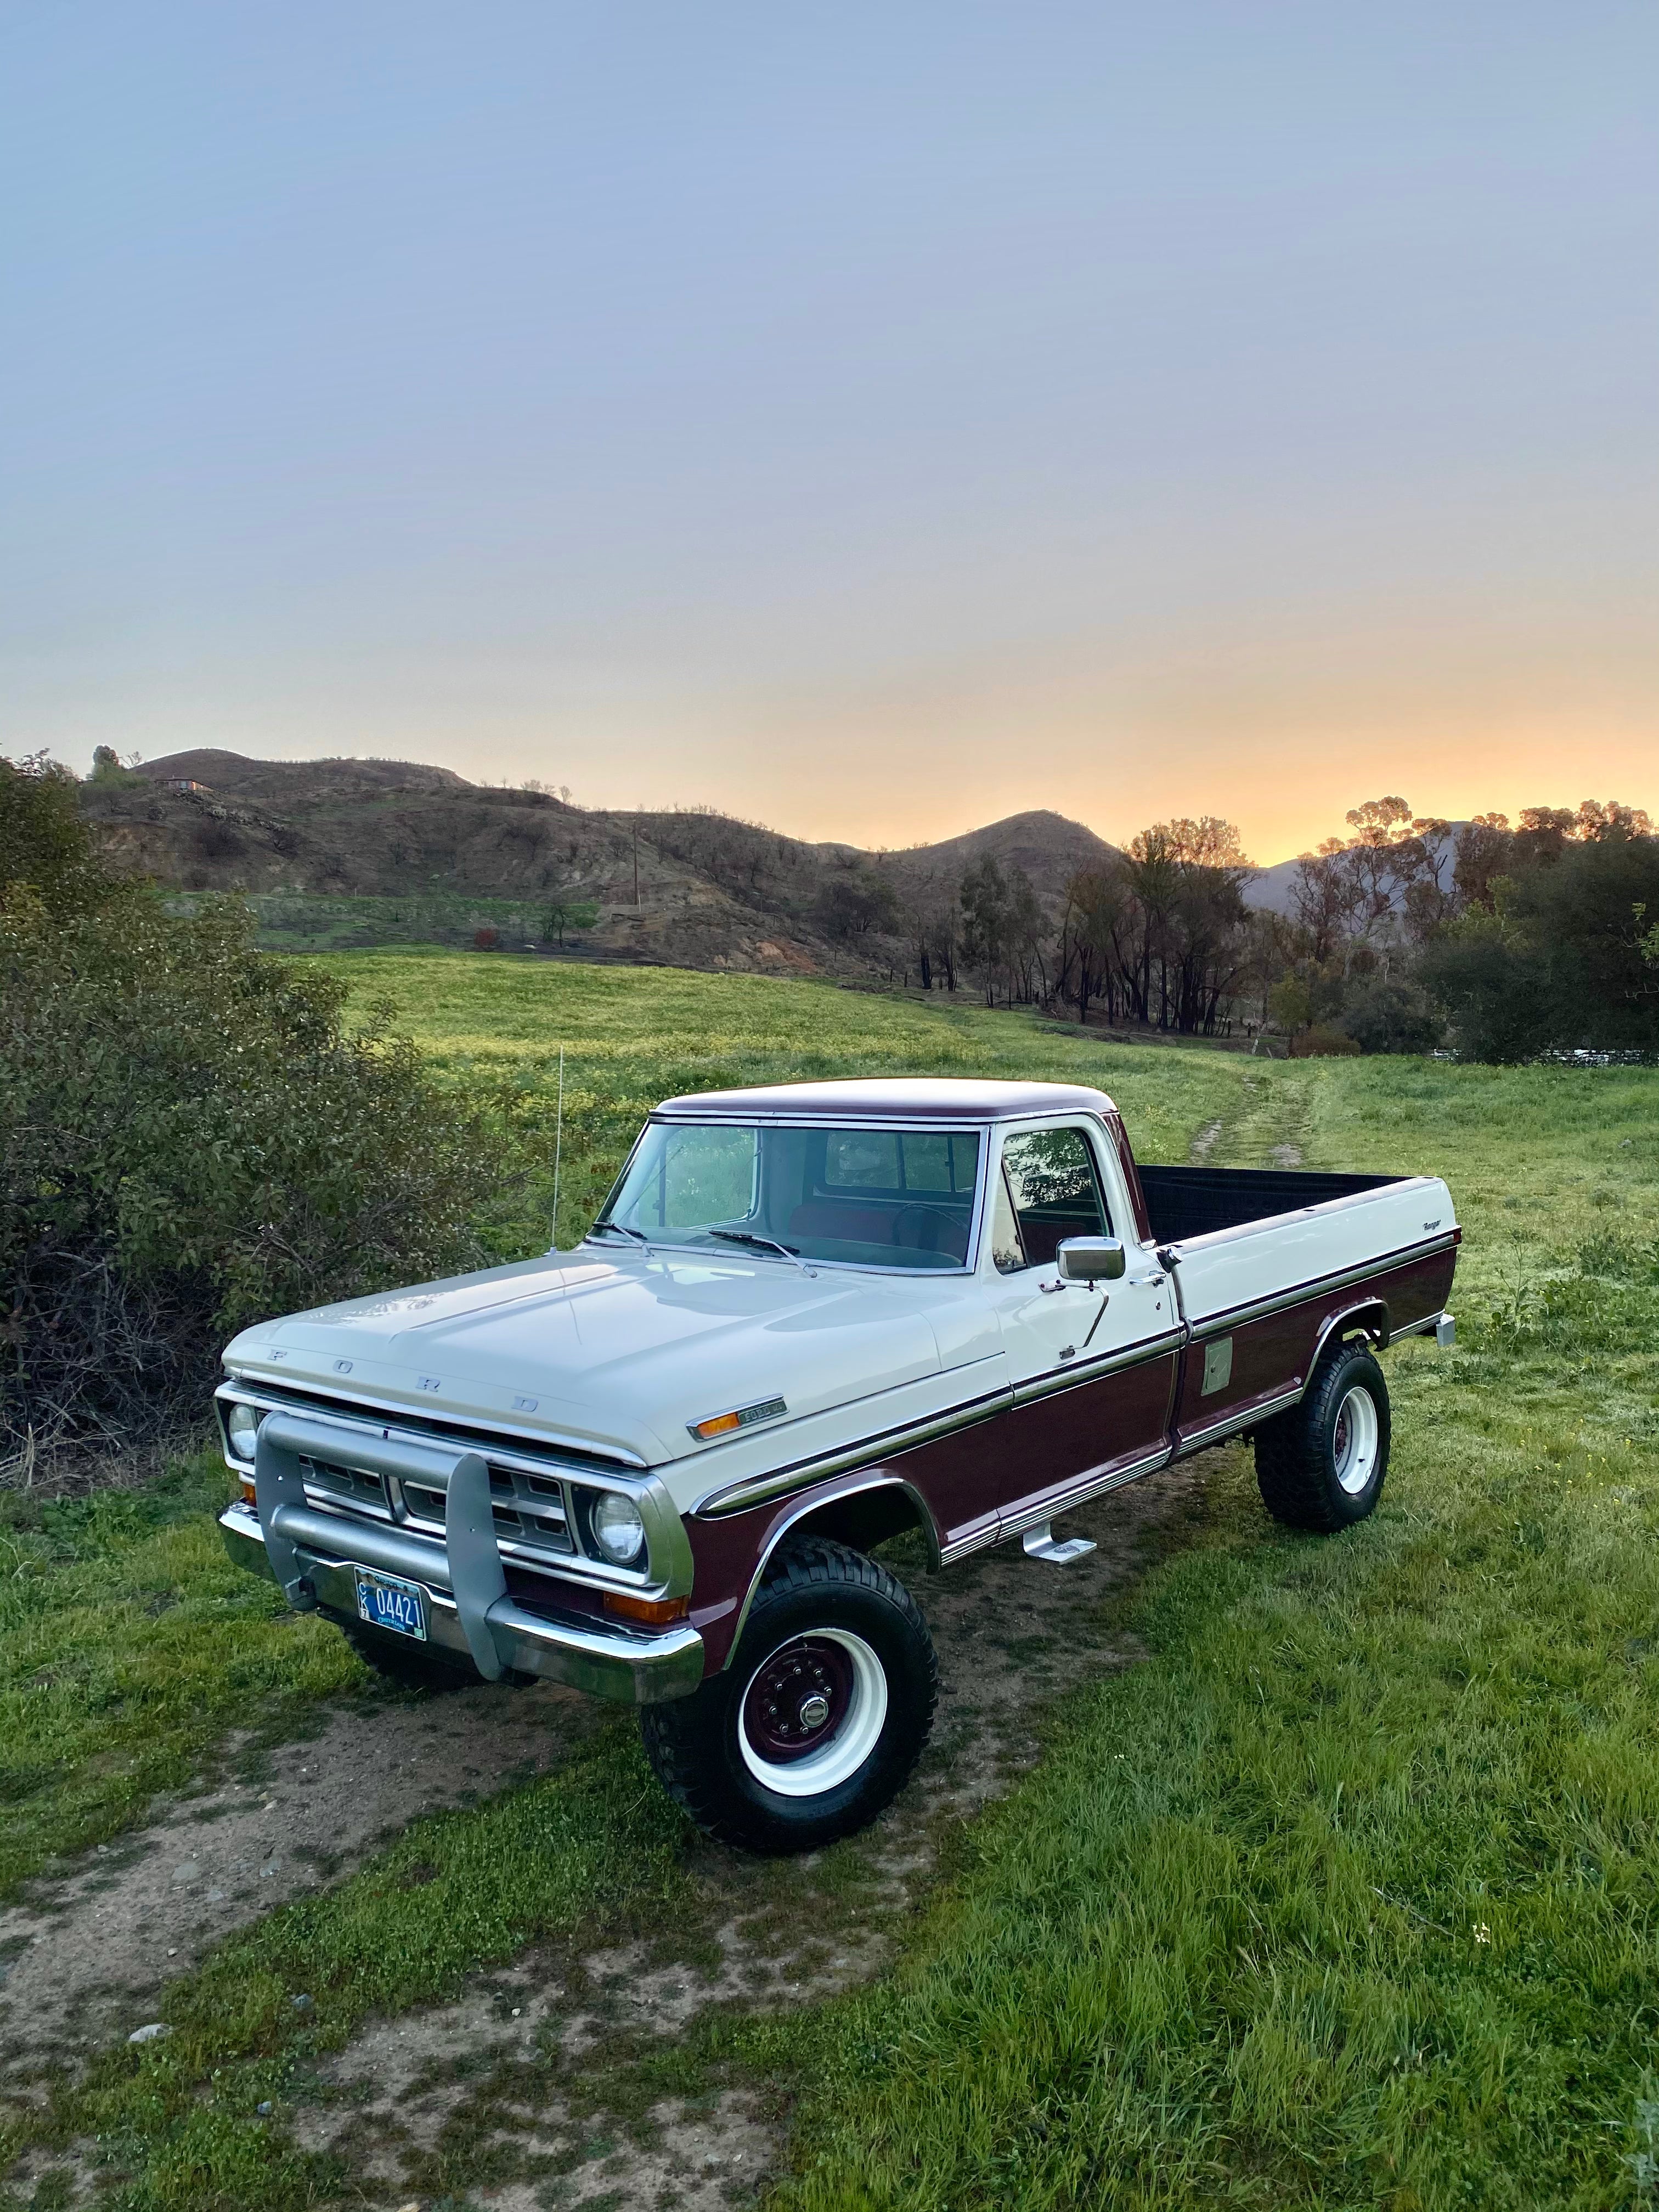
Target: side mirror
[1090, 1259]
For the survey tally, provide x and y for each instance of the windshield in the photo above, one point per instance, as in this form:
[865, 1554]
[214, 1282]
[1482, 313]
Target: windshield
[870, 1198]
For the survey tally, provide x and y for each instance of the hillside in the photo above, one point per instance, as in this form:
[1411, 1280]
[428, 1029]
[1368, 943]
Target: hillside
[695, 889]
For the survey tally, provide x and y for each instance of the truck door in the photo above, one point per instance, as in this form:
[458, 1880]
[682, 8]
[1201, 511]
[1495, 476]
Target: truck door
[1092, 1369]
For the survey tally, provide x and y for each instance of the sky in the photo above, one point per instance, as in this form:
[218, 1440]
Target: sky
[869, 419]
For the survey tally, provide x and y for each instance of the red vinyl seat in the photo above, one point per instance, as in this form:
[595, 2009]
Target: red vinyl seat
[928, 1228]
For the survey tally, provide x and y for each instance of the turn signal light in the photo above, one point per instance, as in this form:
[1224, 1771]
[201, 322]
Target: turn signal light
[721, 1425]
[249, 1497]
[654, 1612]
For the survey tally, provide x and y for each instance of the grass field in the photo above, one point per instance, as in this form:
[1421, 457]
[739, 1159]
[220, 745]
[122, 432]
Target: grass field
[1345, 1896]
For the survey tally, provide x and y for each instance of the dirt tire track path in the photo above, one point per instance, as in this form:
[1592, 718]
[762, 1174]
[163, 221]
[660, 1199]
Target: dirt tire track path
[86, 1952]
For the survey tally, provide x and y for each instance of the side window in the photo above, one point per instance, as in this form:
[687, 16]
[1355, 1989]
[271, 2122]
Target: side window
[1047, 1189]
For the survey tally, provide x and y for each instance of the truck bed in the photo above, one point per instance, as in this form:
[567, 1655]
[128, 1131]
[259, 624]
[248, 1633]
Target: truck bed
[1187, 1202]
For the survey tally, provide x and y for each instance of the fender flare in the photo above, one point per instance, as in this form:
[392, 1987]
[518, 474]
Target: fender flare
[803, 1507]
[1378, 1332]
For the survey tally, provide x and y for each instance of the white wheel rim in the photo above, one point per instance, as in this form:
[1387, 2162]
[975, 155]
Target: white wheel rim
[1353, 1441]
[855, 1736]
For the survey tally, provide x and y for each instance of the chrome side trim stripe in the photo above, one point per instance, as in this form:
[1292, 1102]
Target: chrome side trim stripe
[1426, 1326]
[1068, 1378]
[981, 1540]
[1083, 1490]
[1240, 1418]
[758, 1489]
[1362, 1272]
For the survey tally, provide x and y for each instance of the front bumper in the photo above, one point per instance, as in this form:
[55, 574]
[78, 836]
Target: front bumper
[313, 1555]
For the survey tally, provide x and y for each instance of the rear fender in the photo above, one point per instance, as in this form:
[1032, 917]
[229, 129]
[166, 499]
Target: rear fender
[1368, 1317]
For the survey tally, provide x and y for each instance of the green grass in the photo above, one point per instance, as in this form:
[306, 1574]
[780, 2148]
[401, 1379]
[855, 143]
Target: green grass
[301, 921]
[130, 1649]
[1348, 1895]
[1351, 1894]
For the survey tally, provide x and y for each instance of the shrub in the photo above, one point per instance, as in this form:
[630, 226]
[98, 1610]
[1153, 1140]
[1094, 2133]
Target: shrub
[45, 855]
[1386, 1013]
[191, 1138]
[486, 939]
[1319, 1043]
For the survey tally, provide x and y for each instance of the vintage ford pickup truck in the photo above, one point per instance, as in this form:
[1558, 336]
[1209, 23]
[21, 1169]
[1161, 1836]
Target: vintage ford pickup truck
[809, 1317]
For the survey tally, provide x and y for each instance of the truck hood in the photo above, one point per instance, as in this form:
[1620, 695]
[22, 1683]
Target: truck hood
[622, 1352]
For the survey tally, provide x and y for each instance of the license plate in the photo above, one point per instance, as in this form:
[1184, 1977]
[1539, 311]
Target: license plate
[385, 1603]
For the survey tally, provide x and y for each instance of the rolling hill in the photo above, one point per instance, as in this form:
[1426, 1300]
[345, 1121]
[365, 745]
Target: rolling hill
[693, 889]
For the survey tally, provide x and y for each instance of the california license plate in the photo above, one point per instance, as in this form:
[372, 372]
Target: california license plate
[385, 1603]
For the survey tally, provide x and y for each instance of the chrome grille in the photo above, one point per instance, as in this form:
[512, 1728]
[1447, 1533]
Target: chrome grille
[529, 1510]
[353, 1483]
[530, 1507]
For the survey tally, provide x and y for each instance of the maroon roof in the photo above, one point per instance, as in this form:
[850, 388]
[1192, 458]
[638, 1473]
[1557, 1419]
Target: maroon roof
[906, 1098]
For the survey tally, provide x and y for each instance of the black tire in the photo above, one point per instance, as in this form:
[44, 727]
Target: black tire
[411, 1666]
[1321, 1465]
[824, 1623]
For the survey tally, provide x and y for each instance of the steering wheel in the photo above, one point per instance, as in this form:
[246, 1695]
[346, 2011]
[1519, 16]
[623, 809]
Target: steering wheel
[934, 1214]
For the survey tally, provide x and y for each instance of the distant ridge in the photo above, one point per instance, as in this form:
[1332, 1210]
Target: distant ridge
[234, 775]
[712, 891]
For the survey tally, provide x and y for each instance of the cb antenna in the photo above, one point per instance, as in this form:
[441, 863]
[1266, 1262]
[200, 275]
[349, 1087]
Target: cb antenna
[558, 1146]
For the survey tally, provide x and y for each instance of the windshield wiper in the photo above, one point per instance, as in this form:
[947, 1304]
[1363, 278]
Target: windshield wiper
[622, 1229]
[760, 1244]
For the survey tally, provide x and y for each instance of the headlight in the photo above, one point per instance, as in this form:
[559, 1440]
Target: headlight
[617, 1529]
[242, 1426]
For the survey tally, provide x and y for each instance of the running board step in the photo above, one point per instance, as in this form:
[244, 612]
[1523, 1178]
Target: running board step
[1041, 1543]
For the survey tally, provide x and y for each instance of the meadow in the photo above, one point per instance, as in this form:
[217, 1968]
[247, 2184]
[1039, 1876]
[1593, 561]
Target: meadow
[1344, 1895]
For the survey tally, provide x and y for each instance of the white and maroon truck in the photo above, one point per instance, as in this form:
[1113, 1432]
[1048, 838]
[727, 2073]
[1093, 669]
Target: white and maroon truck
[809, 1317]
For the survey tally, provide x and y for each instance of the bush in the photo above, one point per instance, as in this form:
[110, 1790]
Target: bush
[45, 855]
[1321, 1043]
[1387, 1013]
[191, 1138]
[486, 939]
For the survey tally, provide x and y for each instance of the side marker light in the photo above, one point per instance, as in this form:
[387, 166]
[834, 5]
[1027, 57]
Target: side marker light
[722, 1425]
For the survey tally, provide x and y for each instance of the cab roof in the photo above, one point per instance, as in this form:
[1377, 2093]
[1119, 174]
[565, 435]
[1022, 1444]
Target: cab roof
[888, 1098]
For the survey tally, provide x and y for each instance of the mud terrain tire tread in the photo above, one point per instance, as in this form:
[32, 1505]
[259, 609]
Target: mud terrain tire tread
[691, 1741]
[1295, 1462]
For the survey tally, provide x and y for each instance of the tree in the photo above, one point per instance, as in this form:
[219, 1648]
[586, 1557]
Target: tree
[1289, 1003]
[854, 900]
[1486, 852]
[1096, 903]
[45, 848]
[564, 911]
[1558, 962]
[986, 919]
[1391, 1013]
[1186, 933]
